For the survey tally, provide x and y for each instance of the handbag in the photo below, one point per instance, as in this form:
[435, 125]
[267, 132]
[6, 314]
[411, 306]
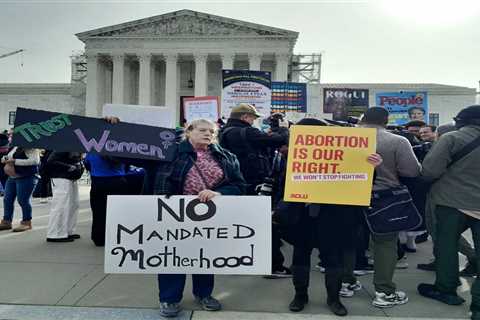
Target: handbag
[391, 211]
[9, 170]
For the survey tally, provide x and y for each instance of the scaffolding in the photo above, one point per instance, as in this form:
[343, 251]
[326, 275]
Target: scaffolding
[306, 68]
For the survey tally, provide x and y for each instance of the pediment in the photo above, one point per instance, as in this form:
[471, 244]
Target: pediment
[186, 23]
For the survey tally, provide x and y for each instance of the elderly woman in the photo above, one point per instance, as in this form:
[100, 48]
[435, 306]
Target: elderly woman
[203, 168]
[21, 166]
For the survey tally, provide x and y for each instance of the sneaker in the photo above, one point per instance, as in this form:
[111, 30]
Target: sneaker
[383, 300]
[67, 239]
[430, 291]
[284, 273]
[24, 226]
[427, 266]
[357, 286]
[422, 238]
[209, 303]
[402, 263]
[337, 308]
[169, 310]
[469, 270]
[345, 292]
[368, 269]
[298, 303]
[5, 225]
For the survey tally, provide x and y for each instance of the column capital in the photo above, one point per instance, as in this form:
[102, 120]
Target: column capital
[172, 56]
[144, 57]
[200, 57]
[282, 56]
[227, 55]
[255, 55]
[118, 56]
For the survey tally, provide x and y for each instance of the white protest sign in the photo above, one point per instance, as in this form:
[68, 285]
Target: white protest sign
[152, 234]
[201, 108]
[148, 115]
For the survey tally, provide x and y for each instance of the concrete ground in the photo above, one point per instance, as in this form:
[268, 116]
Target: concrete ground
[44, 281]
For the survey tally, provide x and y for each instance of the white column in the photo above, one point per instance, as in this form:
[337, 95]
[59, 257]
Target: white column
[228, 60]
[92, 99]
[171, 83]
[118, 86]
[145, 80]
[281, 66]
[254, 61]
[201, 74]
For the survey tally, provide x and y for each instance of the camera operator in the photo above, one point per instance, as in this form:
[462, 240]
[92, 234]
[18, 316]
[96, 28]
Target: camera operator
[253, 149]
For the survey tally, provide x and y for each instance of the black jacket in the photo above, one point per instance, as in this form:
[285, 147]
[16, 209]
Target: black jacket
[253, 151]
[65, 165]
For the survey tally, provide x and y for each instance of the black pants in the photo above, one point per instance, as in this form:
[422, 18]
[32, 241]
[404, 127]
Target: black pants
[100, 189]
[332, 229]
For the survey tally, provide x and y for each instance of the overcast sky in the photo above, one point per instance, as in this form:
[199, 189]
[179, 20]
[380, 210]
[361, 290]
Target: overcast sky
[426, 41]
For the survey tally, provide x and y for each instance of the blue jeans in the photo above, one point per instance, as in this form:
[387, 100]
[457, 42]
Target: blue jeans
[171, 286]
[22, 189]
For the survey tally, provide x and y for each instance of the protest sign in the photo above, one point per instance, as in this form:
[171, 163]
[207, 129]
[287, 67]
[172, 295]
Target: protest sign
[404, 106]
[66, 132]
[289, 97]
[246, 86]
[227, 235]
[329, 165]
[343, 102]
[201, 108]
[148, 115]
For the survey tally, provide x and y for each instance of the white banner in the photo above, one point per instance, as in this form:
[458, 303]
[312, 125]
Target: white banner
[148, 115]
[152, 234]
[246, 86]
[201, 108]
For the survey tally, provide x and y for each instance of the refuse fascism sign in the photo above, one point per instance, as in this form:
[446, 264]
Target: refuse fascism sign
[180, 234]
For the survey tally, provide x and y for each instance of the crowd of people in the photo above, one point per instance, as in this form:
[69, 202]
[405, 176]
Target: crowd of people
[437, 165]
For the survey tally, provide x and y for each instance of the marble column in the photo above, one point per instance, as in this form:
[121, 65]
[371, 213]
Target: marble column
[118, 83]
[145, 80]
[228, 60]
[254, 61]
[201, 74]
[171, 84]
[281, 66]
[93, 97]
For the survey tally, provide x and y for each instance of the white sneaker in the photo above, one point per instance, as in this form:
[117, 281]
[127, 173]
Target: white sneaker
[402, 263]
[354, 286]
[345, 291]
[382, 300]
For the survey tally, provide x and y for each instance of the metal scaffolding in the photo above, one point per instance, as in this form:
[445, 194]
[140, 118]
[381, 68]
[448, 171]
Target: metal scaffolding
[306, 68]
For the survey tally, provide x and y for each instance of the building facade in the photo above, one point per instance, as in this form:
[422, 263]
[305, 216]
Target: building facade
[162, 59]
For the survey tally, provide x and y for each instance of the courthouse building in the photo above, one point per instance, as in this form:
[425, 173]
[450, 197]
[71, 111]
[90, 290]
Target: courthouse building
[162, 59]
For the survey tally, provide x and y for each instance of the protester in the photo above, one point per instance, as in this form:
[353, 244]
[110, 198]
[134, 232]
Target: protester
[107, 178]
[332, 229]
[4, 148]
[453, 164]
[398, 161]
[201, 167]
[43, 190]
[413, 127]
[65, 169]
[428, 133]
[253, 149]
[21, 166]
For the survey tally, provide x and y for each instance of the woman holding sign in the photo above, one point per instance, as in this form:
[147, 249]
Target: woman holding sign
[205, 169]
[332, 229]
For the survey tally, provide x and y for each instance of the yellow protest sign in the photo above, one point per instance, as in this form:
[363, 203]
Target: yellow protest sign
[329, 165]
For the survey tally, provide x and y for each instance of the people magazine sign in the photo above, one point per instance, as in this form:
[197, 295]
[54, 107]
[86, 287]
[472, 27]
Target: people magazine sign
[180, 234]
[201, 108]
[246, 86]
[344, 102]
[404, 106]
[67, 133]
[329, 165]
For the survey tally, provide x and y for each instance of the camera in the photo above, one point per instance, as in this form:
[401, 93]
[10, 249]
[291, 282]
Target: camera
[266, 188]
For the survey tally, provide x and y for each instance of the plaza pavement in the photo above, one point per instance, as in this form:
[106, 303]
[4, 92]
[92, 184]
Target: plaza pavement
[46, 281]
